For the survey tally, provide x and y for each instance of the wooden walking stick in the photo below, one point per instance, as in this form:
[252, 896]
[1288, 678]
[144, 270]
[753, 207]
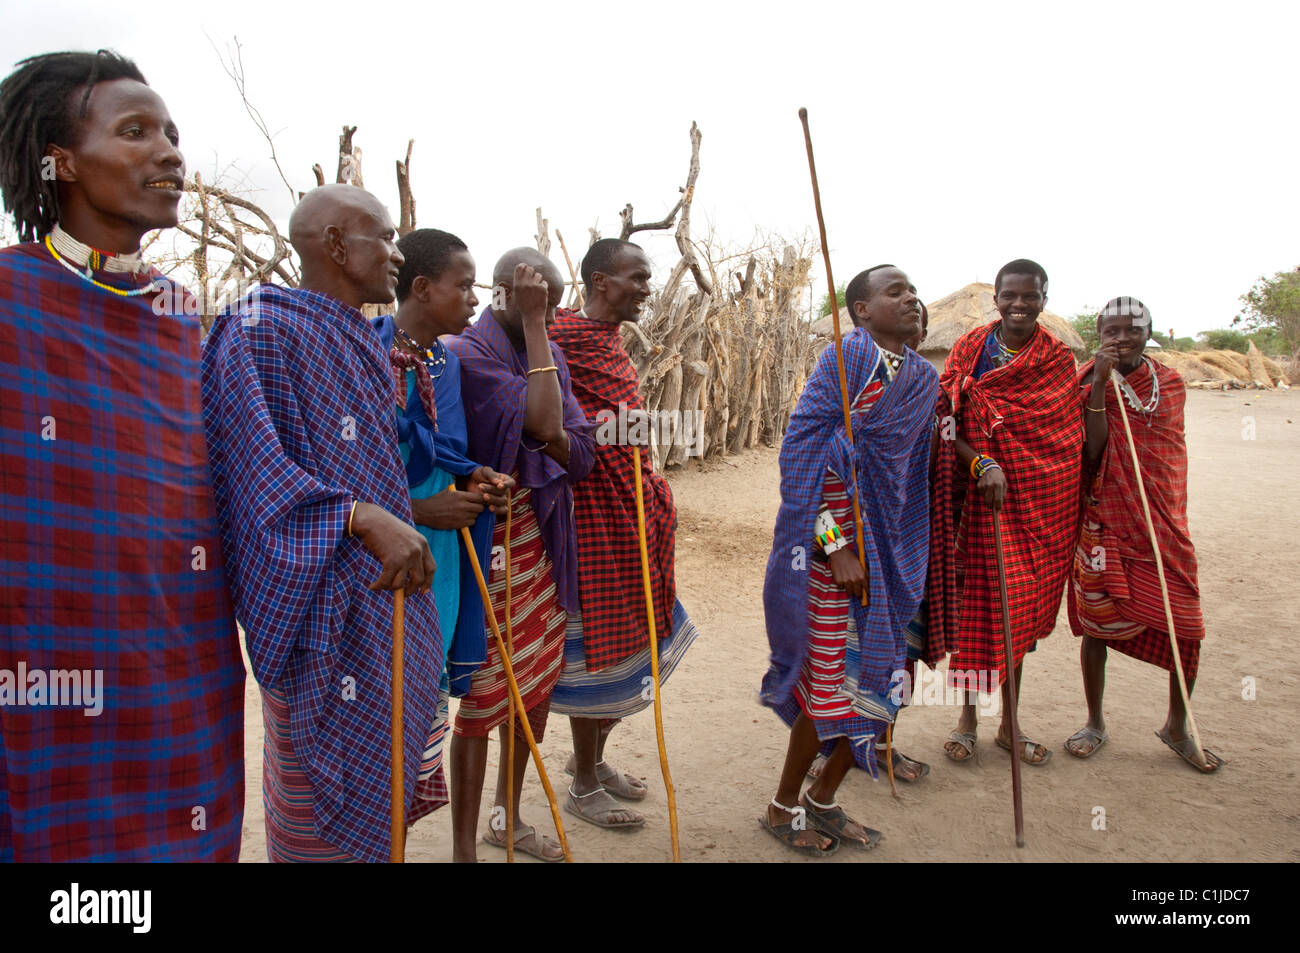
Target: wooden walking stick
[397, 836]
[1017, 797]
[510, 700]
[514, 689]
[1160, 571]
[839, 344]
[654, 660]
[573, 275]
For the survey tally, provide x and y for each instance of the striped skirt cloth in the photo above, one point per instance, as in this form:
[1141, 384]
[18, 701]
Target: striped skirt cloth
[1095, 612]
[618, 690]
[537, 624]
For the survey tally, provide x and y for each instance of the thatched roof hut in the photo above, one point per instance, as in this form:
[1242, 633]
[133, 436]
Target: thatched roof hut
[971, 306]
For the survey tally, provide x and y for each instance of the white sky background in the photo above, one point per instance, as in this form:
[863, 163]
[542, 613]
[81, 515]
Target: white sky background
[1132, 148]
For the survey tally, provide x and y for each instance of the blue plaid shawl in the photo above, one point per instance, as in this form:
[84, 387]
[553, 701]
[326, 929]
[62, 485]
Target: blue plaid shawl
[889, 464]
[298, 402]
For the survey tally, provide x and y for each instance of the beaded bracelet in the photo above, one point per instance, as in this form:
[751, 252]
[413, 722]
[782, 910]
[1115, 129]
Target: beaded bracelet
[834, 534]
[981, 465]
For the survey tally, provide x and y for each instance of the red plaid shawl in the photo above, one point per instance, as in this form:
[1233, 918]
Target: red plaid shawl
[1162, 452]
[1026, 417]
[609, 556]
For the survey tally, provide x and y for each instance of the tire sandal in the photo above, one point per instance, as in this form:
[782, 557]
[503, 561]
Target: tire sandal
[1027, 748]
[596, 806]
[964, 740]
[618, 783]
[1086, 735]
[535, 848]
[1185, 748]
[787, 832]
[830, 819]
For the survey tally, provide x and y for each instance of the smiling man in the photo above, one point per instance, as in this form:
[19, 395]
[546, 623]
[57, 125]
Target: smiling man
[1115, 598]
[435, 297]
[607, 645]
[111, 564]
[1012, 443]
[834, 656]
[298, 399]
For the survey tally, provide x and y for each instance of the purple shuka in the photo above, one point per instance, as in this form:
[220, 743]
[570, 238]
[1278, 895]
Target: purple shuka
[494, 386]
[298, 401]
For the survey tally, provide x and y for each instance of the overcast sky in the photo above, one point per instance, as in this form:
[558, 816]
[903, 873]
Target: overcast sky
[1135, 148]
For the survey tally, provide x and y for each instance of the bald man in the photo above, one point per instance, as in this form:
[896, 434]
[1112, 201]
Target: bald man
[315, 521]
[522, 421]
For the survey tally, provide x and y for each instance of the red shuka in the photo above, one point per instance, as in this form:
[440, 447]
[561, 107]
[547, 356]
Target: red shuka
[1025, 416]
[604, 504]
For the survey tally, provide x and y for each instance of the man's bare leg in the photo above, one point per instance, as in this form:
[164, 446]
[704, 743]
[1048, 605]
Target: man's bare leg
[588, 750]
[496, 824]
[1092, 660]
[1040, 753]
[468, 767]
[1176, 722]
[803, 747]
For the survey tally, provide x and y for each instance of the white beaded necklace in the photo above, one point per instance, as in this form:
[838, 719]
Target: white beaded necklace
[1131, 396]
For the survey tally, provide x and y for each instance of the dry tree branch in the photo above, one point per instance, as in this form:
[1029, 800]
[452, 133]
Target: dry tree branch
[235, 70]
[629, 228]
[405, 200]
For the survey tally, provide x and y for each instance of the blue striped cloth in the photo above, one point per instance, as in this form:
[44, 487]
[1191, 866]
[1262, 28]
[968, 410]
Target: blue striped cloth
[298, 402]
[889, 462]
[617, 691]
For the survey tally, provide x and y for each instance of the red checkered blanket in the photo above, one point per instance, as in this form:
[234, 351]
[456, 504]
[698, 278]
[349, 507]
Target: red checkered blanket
[609, 558]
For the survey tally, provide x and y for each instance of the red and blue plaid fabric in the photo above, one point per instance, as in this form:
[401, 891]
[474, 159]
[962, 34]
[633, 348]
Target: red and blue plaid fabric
[614, 624]
[110, 563]
[1025, 416]
[298, 405]
[494, 387]
[889, 464]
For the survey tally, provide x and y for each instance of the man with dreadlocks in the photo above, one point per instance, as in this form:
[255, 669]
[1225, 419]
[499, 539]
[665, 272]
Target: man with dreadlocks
[1009, 389]
[121, 684]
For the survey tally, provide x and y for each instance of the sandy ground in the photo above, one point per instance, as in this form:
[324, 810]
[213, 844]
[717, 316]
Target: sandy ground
[726, 749]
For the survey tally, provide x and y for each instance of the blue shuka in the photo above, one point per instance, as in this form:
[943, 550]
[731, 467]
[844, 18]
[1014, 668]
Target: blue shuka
[888, 465]
[442, 447]
[298, 409]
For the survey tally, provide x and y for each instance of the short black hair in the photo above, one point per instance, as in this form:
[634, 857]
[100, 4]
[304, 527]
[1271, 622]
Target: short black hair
[428, 252]
[859, 288]
[37, 109]
[1021, 266]
[601, 257]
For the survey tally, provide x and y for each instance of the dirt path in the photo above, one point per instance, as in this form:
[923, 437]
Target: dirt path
[726, 749]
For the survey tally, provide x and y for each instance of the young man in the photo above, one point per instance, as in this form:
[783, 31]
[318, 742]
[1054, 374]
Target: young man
[834, 660]
[607, 646]
[1008, 402]
[523, 421]
[1114, 593]
[435, 296]
[315, 515]
[121, 685]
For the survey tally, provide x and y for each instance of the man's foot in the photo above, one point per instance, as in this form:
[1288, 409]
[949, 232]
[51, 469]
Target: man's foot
[526, 841]
[1085, 742]
[1185, 748]
[960, 745]
[618, 783]
[905, 769]
[791, 828]
[815, 769]
[831, 819]
[1030, 752]
[597, 807]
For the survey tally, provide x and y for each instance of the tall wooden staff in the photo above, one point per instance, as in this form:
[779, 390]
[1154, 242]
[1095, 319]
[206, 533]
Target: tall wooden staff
[397, 835]
[844, 387]
[1160, 571]
[514, 689]
[839, 344]
[1017, 797]
[510, 699]
[654, 660]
